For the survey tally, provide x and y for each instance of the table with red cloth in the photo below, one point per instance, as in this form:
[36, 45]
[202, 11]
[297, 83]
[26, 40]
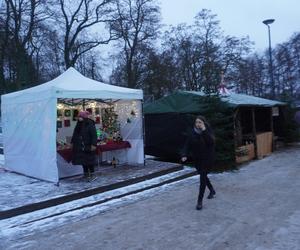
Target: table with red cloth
[66, 153]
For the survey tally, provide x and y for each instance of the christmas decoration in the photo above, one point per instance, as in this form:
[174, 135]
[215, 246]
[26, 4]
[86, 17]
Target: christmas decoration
[67, 123]
[59, 124]
[97, 121]
[101, 135]
[67, 112]
[117, 137]
[109, 121]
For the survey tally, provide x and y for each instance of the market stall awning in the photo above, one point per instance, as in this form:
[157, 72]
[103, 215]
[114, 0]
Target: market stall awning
[188, 102]
[72, 84]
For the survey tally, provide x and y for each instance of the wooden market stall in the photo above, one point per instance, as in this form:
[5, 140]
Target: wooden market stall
[255, 133]
[257, 123]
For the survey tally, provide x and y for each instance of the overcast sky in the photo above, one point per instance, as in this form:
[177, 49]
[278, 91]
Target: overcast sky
[240, 17]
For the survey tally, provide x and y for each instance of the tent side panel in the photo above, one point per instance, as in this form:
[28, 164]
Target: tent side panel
[29, 138]
[133, 131]
[166, 134]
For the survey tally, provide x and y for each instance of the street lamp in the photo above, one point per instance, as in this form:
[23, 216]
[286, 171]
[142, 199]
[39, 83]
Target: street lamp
[268, 22]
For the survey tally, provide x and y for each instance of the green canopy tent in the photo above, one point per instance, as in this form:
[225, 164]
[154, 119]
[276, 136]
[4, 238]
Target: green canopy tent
[168, 119]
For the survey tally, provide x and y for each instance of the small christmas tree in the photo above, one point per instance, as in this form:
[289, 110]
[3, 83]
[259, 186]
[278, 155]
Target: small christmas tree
[110, 121]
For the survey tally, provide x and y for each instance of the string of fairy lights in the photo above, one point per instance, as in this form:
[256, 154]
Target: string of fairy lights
[126, 110]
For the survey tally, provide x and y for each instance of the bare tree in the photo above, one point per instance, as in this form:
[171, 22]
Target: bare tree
[285, 70]
[19, 19]
[233, 51]
[4, 38]
[179, 43]
[89, 65]
[160, 77]
[80, 22]
[249, 76]
[201, 52]
[295, 47]
[137, 23]
[48, 57]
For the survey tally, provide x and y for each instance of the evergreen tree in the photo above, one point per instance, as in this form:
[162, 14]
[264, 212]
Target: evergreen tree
[220, 117]
[291, 128]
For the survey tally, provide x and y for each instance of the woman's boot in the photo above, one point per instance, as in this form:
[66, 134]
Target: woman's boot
[211, 194]
[199, 204]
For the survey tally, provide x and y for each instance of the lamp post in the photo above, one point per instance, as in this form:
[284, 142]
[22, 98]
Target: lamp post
[268, 22]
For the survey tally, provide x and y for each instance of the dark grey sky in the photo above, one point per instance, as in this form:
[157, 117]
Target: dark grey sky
[241, 17]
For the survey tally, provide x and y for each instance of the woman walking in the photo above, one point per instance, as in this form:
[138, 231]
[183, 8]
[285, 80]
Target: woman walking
[84, 144]
[200, 144]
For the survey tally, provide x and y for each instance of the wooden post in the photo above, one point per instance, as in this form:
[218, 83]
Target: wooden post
[254, 131]
[238, 128]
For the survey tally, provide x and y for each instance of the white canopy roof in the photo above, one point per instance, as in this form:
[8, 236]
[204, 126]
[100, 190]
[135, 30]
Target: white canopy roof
[72, 84]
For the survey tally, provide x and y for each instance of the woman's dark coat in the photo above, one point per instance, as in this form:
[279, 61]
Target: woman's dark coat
[201, 147]
[84, 136]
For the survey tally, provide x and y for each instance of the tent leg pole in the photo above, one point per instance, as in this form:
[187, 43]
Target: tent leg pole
[143, 124]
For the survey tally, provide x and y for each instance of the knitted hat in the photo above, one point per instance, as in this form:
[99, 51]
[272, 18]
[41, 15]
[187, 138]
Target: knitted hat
[84, 114]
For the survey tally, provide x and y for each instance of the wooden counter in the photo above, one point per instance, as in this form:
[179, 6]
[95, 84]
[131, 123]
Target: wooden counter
[264, 144]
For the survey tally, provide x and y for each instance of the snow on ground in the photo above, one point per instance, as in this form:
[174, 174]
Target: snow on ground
[20, 190]
[288, 236]
[40, 214]
[257, 207]
[28, 223]
[1, 160]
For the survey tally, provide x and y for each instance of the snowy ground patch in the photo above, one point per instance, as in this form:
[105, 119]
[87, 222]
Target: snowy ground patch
[27, 224]
[1, 160]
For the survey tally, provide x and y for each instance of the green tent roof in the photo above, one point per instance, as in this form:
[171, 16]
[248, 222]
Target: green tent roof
[188, 102]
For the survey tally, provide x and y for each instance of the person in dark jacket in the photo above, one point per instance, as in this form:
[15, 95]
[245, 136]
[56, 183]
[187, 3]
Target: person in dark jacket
[84, 144]
[200, 144]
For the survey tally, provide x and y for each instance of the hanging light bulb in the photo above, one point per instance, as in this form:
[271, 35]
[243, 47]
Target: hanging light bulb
[93, 105]
[60, 106]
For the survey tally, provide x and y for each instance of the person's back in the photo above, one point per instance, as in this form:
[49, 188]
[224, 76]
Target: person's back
[84, 141]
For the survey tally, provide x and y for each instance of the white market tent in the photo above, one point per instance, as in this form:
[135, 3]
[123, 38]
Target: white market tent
[29, 120]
